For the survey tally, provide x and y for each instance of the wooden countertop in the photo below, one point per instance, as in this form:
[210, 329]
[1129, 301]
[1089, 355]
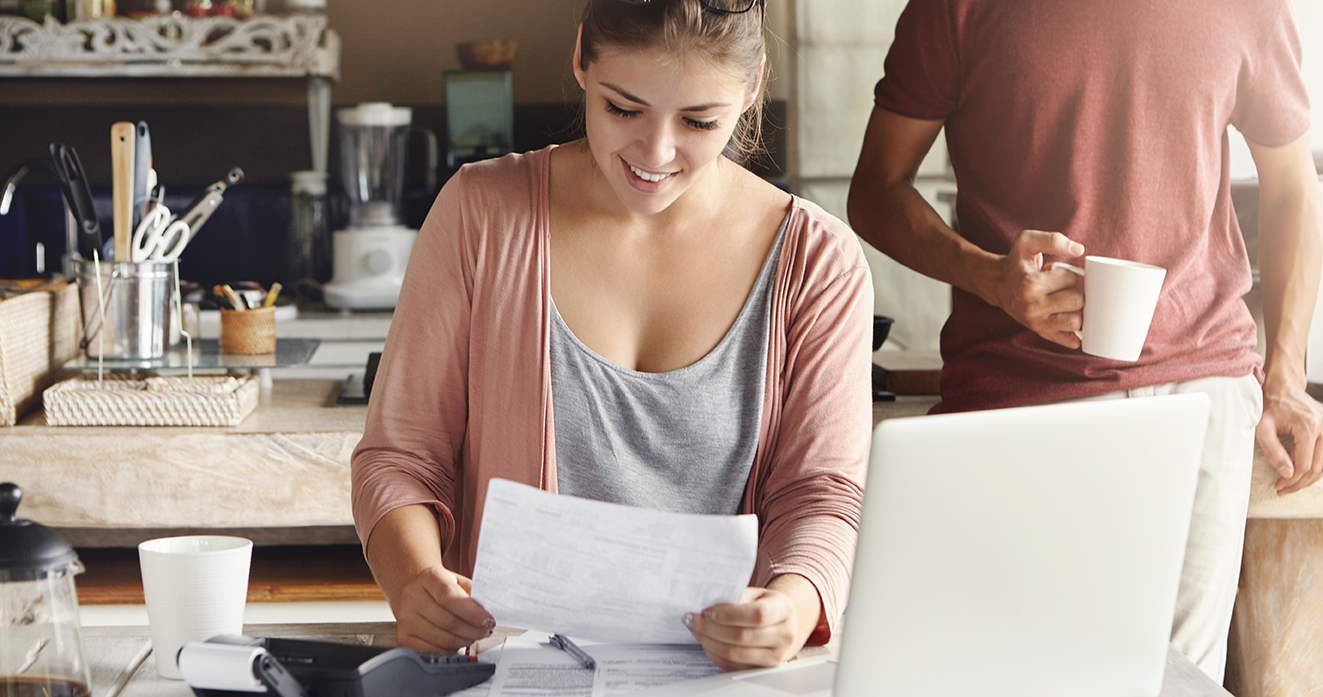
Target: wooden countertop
[285, 469]
[291, 406]
[331, 573]
[285, 466]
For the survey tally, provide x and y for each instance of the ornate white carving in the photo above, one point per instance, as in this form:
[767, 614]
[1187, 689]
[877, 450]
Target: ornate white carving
[170, 46]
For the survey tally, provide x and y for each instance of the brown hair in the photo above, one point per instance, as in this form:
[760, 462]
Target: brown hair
[684, 28]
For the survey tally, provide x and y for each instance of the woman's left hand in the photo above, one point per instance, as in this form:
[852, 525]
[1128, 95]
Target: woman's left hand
[766, 628]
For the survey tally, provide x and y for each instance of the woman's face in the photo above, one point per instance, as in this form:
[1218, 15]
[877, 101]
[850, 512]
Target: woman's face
[657, 124]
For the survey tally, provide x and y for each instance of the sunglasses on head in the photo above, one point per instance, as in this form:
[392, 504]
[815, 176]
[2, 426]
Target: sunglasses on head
[730, 7]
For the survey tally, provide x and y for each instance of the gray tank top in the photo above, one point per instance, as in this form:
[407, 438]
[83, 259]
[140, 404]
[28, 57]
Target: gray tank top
[683, 440]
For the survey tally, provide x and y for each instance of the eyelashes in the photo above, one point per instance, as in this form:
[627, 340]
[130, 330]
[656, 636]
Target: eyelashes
[614, 110]
[617, 111]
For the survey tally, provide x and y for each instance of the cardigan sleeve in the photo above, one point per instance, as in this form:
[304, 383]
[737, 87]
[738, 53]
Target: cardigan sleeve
[417, 414]
[810, 492]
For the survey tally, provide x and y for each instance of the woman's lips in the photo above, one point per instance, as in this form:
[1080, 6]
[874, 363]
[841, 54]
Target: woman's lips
[643, 180]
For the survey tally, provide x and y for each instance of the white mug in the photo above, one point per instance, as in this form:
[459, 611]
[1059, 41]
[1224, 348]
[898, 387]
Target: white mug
[1119, 299]
[195, 587]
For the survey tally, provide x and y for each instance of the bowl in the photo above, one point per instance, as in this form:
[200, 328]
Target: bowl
[492, 54]
[881, 328]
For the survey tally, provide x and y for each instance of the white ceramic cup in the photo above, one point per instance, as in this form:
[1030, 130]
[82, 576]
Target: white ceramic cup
[1119, 299]
[195, 587]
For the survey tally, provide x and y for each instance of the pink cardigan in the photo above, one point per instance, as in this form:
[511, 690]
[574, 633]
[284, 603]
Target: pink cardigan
[463, 392]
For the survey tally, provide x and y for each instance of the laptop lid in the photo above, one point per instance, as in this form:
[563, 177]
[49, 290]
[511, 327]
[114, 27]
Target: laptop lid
[1031, 551]
[1018, 552]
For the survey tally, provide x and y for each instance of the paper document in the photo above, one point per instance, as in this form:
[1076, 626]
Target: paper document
[528, 668]
[602, 571]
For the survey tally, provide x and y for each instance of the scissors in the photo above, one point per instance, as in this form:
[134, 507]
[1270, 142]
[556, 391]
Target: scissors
[160, 236]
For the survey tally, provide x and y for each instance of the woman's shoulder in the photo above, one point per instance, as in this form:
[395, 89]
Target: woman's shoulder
[822, 237]
[513, 171]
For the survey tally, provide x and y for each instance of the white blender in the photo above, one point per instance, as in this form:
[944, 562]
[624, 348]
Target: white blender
[369, 257]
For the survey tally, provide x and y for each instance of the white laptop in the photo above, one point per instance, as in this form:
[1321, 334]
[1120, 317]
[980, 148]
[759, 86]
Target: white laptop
[1020, 552]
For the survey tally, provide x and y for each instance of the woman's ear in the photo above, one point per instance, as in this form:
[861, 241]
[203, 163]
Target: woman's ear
[579, 74]
[757, 86]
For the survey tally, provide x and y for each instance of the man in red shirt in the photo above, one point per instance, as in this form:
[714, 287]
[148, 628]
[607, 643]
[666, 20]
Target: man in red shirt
[1102, 126]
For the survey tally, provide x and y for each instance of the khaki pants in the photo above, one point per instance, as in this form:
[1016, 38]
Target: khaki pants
[1217, 528]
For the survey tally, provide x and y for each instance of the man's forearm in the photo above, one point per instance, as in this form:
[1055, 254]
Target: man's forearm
[895, 219]
[1289, 262]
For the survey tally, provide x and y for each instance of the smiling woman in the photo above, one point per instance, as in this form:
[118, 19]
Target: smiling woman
[632, 317]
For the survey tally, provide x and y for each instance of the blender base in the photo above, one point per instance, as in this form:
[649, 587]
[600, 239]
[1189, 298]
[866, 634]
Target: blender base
[369, 264]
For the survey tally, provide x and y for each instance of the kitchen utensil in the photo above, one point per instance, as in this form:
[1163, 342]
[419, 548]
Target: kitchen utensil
[203, 206]
[142, 166]
[70, 169]
[123, 138]
[159, 236]
[40, 646]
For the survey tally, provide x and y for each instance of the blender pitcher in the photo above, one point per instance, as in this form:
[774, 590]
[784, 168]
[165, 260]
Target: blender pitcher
[370, 255]
[41, 649]
[374, 137]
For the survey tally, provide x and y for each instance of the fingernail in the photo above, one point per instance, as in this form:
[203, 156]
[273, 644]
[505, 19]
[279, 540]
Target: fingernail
[689, 619]
[707, 614]
[489, 623]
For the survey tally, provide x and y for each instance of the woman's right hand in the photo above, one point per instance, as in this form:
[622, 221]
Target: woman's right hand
[434, 612]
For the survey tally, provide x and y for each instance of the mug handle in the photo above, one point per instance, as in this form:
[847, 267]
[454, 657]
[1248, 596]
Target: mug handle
[1063, 265]
[1078, 272]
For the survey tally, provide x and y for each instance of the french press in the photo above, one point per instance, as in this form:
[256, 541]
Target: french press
[41, 650]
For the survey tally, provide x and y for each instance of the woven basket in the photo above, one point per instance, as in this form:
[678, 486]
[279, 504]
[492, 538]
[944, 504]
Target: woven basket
[120, 400]
[39, 333]
[248, 331]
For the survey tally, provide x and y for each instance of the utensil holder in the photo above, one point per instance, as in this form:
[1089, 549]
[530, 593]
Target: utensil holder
[125, 312]
[248, 331]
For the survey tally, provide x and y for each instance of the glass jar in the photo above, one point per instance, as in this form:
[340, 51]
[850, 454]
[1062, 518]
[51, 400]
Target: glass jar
[309, 257]
[41, 650]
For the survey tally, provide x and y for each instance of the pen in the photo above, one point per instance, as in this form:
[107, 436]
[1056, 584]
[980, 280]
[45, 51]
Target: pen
[563, 643]
[271, 295]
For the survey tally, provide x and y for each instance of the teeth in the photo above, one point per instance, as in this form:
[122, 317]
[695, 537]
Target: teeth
[647, 177]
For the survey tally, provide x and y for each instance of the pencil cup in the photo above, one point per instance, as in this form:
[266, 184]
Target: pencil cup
[248, 331]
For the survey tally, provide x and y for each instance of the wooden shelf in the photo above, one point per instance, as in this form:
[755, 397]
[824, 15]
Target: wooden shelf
[333, 573]
[170, 46]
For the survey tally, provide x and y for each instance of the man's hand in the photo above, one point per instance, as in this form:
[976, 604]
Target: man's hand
[1288, 410]
[434, 612]
[1046, 301]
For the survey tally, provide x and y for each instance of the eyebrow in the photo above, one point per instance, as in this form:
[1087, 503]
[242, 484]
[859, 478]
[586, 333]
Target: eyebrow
[636, 100]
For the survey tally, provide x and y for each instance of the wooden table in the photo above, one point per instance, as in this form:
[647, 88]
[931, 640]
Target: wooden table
[122, 667]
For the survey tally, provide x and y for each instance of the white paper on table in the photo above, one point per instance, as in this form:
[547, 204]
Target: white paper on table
[603, 571]
[531, 670]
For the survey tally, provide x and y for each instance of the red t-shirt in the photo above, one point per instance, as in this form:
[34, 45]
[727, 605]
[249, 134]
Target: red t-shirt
[1105, 120]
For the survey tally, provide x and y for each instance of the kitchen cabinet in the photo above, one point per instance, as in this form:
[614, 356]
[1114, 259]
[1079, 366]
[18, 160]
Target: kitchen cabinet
[176, 46]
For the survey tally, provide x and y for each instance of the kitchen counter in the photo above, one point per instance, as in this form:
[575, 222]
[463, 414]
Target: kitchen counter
[283, 472]
[282, 478]
[287, 465]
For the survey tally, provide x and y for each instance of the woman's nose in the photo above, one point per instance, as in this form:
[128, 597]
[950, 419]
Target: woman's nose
[658, 145]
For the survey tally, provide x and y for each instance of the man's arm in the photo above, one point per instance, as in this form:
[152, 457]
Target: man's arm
[890, 214]
[1289, 262]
